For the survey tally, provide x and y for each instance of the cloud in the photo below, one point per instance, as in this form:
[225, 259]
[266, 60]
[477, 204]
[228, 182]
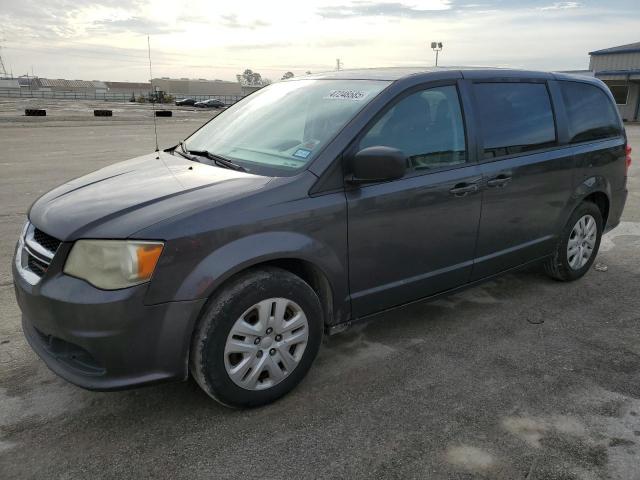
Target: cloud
[132, 24]
[385, 9]
[338, 42]
[322, 43]
[561, 6]
[258, 46]
[231, 21]
[104, 38]
[58, 19]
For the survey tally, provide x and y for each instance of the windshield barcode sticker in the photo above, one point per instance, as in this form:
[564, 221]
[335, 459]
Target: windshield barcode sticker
[302, 153]
[346, 95]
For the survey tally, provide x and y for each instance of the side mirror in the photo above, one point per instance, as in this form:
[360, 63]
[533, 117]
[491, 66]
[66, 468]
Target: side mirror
[377, 164]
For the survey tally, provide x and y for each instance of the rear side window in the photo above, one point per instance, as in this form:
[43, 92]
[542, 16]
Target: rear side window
[592, 115]
[514, 117]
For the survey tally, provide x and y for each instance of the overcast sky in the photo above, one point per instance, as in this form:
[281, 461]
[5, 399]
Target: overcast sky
[106, 40]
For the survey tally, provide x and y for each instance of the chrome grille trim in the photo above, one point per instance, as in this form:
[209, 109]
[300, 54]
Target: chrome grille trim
[36, 251]
[31, 252]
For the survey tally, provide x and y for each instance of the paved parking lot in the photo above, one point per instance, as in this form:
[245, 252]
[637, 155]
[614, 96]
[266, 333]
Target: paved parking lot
[522, 377]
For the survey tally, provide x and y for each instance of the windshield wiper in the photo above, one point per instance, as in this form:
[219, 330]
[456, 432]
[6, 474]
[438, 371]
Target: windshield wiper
[217, 159]
[184, 153]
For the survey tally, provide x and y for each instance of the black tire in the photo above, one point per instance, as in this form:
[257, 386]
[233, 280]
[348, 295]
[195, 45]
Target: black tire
[557, 266]
[221, 313]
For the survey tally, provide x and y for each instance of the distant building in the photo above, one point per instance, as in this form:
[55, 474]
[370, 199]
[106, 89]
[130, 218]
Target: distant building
[184, 87]
[28, 83]
[619, 68]
[10, 85]
[247, 89]
[133, 89]
[100, 87]
[60, 85]
[188, 87]
[90, 88]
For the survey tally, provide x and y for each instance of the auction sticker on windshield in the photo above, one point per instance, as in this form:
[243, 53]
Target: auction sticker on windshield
[356, 95]
[302, 153]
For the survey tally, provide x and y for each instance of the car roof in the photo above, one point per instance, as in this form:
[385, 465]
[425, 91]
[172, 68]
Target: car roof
[400, 73]
[389, 73]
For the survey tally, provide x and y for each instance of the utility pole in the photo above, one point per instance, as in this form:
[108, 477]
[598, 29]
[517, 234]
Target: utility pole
[436, 47]
[338, 64]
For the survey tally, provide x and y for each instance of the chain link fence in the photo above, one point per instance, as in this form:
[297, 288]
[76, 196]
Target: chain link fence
[108, 97]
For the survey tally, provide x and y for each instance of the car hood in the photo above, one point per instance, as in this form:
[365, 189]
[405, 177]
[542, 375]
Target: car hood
[119, 200]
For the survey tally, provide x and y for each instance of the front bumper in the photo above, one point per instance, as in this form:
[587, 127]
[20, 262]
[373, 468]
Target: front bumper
[105, 340]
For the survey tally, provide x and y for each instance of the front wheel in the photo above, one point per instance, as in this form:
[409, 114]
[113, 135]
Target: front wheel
[257, 338]
[578, 245]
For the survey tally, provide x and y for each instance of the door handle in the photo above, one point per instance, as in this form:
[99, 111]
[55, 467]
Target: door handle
[499, 181]
[462, 189]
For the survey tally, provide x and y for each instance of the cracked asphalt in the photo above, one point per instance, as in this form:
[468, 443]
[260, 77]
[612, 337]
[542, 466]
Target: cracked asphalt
[522, 377]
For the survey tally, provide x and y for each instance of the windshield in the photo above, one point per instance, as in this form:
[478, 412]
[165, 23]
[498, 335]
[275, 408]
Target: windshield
[282, 127]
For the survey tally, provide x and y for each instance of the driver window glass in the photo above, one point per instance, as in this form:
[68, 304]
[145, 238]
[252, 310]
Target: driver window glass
[426, 126]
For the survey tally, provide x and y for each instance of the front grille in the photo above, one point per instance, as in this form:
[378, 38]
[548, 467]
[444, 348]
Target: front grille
[46, 240]
[36, 266]
[38, 250]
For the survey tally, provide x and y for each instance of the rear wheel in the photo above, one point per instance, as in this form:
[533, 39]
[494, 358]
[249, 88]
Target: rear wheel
[578, 244]
[257, 338]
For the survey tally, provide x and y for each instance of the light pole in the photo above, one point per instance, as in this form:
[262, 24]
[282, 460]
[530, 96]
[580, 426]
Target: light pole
[436, 47]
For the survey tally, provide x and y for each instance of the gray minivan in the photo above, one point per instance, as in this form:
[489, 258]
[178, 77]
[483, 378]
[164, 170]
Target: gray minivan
[309, 205]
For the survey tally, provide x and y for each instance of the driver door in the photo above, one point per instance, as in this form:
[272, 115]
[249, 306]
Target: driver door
[413, 237]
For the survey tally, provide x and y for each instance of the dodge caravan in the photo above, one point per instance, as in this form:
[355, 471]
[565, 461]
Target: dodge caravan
[309, 205]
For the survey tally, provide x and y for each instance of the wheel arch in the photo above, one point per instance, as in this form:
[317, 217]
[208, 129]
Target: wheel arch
[316, 264]
[306, 270]
[595, 189]
[314, 276]
[602, 202]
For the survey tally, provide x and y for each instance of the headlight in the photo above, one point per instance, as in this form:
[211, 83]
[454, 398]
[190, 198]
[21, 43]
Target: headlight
[113, 264]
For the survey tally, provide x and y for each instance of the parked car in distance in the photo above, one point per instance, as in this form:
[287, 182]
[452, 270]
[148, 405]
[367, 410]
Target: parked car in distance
[310, 205]
[211, 103]
[186, 102]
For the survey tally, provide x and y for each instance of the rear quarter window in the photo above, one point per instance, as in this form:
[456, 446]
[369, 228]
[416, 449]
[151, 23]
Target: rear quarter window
[590, 112]
[514, 117]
